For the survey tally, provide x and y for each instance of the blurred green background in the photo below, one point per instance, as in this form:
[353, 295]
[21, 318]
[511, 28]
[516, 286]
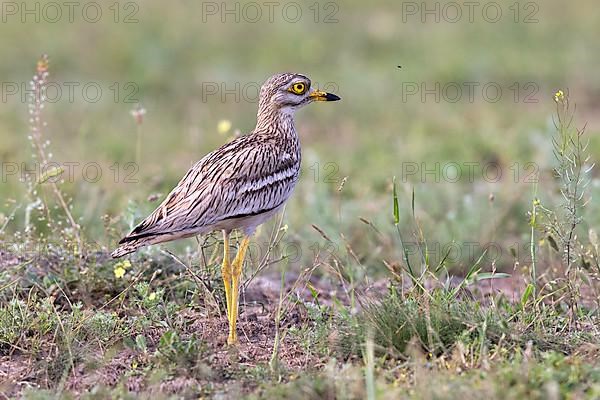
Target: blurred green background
[176, 53]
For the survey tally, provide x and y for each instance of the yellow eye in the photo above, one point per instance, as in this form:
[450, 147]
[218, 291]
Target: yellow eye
[298, 88]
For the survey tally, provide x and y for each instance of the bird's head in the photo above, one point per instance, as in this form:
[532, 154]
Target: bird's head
[287, 92]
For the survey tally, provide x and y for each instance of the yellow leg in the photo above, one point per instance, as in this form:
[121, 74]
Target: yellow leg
[236, 273]
[226, 273]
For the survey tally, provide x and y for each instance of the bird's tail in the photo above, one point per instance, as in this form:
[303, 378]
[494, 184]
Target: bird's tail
[126, 248]
[133, 241]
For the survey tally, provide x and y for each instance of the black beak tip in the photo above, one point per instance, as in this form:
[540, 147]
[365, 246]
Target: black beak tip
[332, 97]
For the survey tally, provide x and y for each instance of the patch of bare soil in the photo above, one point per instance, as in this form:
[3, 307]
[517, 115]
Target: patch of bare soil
[16, 374]
[7, 259]
[217, 364]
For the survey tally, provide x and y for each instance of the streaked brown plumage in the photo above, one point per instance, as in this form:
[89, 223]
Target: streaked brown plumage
[238, 186]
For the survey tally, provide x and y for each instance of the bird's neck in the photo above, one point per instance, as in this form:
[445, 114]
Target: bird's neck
[276, 121]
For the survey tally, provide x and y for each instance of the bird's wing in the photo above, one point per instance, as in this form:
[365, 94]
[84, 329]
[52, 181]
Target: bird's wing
[244, 177]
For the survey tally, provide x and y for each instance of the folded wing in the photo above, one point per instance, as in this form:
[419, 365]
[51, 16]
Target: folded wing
[234, 181]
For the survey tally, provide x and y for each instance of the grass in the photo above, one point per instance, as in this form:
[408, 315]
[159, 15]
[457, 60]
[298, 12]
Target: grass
[420, 286]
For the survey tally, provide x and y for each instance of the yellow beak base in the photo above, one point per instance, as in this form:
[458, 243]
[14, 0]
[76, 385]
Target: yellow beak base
[319, 95]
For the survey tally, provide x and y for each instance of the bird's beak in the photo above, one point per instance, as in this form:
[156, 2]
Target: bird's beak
[318, 95]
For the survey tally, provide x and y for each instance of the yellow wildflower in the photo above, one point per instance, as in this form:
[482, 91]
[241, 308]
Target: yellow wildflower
[559, 96]
[152, 296]
[119, 272]
[223, 126]
[120, 268]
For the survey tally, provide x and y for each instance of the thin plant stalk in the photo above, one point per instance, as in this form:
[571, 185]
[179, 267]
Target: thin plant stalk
[138, 113]
[274, 361]
[39, 82]
[370, 367]
[532, 238]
